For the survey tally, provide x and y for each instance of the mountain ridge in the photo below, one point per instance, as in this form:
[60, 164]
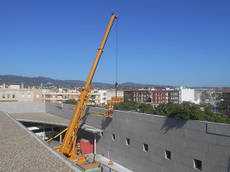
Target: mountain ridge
[45, 81]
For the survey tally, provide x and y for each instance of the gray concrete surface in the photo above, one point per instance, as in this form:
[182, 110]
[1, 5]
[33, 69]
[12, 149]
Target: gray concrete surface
[40, 117]
[205, 141]
[20, 150]
[114, 166]
[188, 140]
[65, 111]
[22, 107]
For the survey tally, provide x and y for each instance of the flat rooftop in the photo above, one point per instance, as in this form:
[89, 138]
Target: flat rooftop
[23, 151]
[41, 117]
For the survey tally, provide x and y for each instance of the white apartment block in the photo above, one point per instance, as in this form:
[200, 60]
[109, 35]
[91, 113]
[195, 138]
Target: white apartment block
[101, 97]
[188, 95]
[14, 86]
[112, 93]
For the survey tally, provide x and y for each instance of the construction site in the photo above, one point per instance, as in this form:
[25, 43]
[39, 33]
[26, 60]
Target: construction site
[133, 141]
[39, 136]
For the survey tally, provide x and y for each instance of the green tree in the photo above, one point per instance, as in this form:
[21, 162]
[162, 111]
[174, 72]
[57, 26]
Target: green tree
[184, 111]
[127, 106]
[145, 108]
[224, 103]
[70, 101]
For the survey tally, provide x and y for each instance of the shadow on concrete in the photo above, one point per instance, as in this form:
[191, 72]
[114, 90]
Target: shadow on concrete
[59, 106]
[229, 164]
[171, 123]
[85, 116]
[212, 133]
[105, 122]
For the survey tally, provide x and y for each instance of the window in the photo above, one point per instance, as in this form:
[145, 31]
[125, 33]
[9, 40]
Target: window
[145, 147]
[3, 96]
[8, 96]
[168, 155]
[197, 164]
[127, 141]
[13, 96]
[113, 137]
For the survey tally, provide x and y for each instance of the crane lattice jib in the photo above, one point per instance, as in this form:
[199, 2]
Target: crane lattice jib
[69, 141]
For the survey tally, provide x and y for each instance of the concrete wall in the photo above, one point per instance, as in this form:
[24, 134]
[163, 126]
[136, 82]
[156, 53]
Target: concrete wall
[205, 141]
[64, 111]
[22, 107]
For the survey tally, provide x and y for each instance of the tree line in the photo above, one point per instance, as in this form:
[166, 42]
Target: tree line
[184, 111]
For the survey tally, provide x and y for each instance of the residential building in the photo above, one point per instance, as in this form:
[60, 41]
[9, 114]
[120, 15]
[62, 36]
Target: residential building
[188, 95]
[14, 86]
[20, 95]
[105, 97]
[158, 96]
[60, 95]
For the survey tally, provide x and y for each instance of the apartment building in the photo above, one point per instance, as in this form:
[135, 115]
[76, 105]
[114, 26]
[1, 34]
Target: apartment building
[20, 95]
[188, 95]
[106, 97]
[161, 96]
[60, 95]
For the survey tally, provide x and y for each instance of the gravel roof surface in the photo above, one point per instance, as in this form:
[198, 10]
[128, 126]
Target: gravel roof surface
[41, 117]
[20, 150]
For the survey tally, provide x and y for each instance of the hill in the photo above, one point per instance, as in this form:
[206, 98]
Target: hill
[45, 81]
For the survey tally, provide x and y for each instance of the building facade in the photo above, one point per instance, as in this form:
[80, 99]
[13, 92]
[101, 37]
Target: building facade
[187, 95]
[20, 95]
[106, 97]
[60, 96]
[156, 97]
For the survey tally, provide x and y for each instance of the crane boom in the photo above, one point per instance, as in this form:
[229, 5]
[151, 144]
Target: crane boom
[69, 142]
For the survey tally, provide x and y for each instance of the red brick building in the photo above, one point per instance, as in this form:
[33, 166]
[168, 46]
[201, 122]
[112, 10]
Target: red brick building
[152, 96]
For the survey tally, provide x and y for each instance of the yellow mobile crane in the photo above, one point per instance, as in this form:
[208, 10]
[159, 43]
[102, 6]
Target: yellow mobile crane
[68, 146]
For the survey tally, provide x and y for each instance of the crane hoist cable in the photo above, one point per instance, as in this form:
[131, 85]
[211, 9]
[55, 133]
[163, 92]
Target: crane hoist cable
[116, 58]
[116, 81]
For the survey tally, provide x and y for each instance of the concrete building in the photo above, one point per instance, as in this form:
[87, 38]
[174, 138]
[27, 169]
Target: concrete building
[187, 95]
[20, 95]
[104, 97]
[3, 85]
[94, 98]
[112, 93]
[59, 97]
[162, 96]
[136, 141]
[14, 86]
[153, 96]
[97, 96]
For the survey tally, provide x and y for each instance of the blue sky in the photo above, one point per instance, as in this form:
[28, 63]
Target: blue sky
[160, 42]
